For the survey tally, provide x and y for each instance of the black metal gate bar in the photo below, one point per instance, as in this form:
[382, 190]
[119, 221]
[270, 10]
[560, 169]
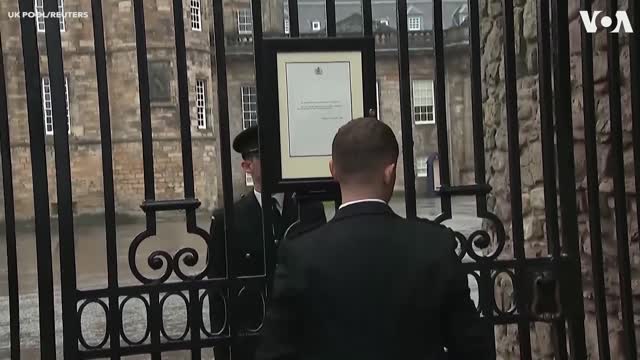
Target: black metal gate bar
[9, 216]
[185, 119]
[441, 110]
[269, 253]
[194, 314]
[485, 282]
[107, 178]
[634, 60]
[367, 22]
[219, 250]
[63, 183]
[330, 6]
[566, 174]
[294, 23]
[615, 111]
[217, 39]
[195, 320]
[154, 318]
[477, 115]
[593, 194]
[173, 287]
[147, 158]
[40, 183]
[406, 121]
[484, 297]
[515, 182]
[145, 112]
[545, 86]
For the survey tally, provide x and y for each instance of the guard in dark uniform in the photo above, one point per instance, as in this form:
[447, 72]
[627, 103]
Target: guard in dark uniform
[247, 247]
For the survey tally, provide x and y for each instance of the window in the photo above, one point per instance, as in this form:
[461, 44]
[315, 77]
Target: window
[201, 103]
[249, 107]
[421, 167]
[245, 21]
[461, 15]
[47, 104]
[415, 23]
[196, 15]
[248, 180]
[315, 25]
[423, 112]
[378, 110]
[39, 9]
[287, 26]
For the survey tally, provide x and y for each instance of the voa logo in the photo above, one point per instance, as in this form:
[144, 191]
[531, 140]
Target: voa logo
[622, 21]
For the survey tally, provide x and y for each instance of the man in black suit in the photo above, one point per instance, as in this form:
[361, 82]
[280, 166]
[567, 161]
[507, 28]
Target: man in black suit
[247, 246]
[370, 284]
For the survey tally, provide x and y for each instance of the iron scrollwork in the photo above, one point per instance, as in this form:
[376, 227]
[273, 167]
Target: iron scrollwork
[105, 338]
[162, 259]
[147, 331]
[481, 239]
[188, 320]
[222, 312]
[512, 279]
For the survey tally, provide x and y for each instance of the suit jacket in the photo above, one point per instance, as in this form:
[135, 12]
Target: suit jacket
[372, 285]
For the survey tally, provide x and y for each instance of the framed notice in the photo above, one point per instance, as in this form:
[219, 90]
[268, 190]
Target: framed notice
[311, 88]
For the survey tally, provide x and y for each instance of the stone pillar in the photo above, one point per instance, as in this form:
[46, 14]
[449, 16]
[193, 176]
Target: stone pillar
[531, 166]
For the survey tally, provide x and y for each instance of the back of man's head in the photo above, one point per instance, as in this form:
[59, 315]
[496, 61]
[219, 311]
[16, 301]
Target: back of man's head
[362, 150]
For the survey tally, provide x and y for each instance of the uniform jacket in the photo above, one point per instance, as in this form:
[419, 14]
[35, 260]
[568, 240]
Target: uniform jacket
[247, 248]
[247, 252]
[372, 285]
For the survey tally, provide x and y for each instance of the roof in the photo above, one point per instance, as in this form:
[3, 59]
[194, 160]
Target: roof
[454, 13]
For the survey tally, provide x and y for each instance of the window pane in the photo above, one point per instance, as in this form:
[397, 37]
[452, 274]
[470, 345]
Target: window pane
[196, 20]
[61, 10]
[245, 21]
[200, 104]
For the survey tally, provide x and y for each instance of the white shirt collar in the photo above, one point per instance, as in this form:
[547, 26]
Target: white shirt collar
[279, 199]
[361, 201]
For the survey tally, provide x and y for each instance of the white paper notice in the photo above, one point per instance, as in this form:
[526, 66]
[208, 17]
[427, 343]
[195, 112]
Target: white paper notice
[319, 102]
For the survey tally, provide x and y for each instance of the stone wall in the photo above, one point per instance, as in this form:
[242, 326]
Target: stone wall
[605, 171]
[531, 161]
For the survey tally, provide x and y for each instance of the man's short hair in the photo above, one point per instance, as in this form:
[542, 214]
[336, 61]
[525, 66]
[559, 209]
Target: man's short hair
[362, 147]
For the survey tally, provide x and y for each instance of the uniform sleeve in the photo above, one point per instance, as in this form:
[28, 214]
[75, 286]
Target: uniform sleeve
[217, 266]
[282, 325]
[312, 216]
[321, 217]
[467, 336]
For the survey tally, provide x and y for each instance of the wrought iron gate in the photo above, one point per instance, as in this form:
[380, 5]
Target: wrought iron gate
[547, 289]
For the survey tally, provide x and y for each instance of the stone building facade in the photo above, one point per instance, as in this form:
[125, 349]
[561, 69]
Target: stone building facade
[79, 66]
[85, 148]
[531, 163]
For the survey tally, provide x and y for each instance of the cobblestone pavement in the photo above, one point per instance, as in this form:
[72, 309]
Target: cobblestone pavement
[91, 270]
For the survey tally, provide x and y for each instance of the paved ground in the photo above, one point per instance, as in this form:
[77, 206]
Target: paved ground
[91, 270]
